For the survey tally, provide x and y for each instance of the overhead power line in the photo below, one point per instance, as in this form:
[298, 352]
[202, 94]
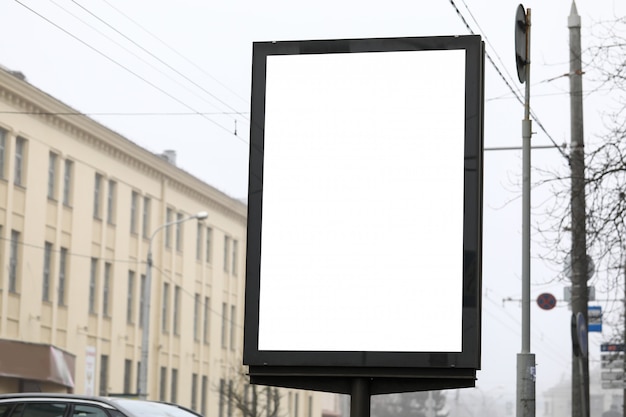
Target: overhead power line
[77, 113]
[175, 51]
[155, 56]
[506, 81]
[135, 74]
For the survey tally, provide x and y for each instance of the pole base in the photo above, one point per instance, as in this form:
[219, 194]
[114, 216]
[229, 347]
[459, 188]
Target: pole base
[526, 378]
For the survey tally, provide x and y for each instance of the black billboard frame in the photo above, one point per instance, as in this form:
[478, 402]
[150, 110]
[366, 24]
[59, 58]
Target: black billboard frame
[386, 372]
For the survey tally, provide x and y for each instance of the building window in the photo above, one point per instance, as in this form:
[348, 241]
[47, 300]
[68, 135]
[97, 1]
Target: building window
[47, 261]
[134, 202]
[106, 290]
[203, 394]
[162, 383]
[179, 232]
[128, 369]
[138, 373]
[3, 152]
[52, 175]
[194, 391]
[13, 261]
[176, 319]
[222, 394]
[130, 296]
[104, 374]
[196, 317]
[235, 249]
[233, 333]
[169, 215]
[174, 386]
[97, 195]
[111, 202]
[226, 253]
[208, 244]
[230, 399]
[62, 276]
[142, 288]
[224, 322]
[165, 308]
[20, 155]
[67, 183]
[199, 229]
[207, 310]
[93, 284]
[145, 218]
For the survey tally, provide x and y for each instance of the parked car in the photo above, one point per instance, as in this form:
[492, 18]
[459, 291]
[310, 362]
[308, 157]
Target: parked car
[71, 405]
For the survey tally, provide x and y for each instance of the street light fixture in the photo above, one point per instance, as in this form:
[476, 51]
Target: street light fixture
[145, 308]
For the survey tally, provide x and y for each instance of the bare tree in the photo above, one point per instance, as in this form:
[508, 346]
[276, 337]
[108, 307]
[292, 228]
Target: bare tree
[249, 400]
[605, 170]
[414, 404]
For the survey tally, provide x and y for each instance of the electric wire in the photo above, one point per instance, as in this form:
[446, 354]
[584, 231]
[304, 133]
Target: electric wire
[116, 261]
[549, 347]
[174, 50]
[156, 57]
[508, 84]
[151, 84]
[77, 113]
[168, 76]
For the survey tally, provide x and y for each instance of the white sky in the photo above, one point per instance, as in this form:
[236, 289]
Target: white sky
[212, 47]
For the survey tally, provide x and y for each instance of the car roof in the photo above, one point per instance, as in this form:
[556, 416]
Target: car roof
[37, 396]
[107, 402]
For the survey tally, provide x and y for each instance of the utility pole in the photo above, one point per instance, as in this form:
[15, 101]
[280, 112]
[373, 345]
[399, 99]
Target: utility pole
[580, 363]
[525, 359]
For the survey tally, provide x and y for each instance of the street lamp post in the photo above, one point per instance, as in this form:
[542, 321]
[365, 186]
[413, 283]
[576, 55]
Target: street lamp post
[145, 308]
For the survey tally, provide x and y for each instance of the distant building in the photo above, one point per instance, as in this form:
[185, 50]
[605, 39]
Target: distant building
[558, 399]
[78, 206]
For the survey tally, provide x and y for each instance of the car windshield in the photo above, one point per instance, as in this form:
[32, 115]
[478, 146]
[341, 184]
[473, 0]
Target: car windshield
[137, 408]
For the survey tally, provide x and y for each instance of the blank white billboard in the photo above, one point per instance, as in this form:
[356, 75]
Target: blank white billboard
[363, 202]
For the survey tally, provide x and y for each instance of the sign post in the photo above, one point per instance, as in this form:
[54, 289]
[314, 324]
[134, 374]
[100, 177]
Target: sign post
[525, 359]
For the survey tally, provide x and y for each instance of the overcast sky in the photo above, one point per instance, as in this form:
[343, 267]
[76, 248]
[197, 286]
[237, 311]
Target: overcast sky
[176, 75]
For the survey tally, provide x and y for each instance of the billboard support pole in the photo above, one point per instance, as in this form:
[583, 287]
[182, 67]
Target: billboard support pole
[360, 398]
[525, 359]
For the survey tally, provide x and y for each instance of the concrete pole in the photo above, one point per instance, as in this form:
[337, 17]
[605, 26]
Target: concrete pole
[580, 370]
[144, 365]
[525, 359]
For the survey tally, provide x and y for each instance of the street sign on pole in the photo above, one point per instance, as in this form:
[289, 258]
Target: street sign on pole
[546, 301]
[594, 313]
[521, 43]
[591, 293]
[613, 384]
[612, 347]
[616, 375]
[612, 360]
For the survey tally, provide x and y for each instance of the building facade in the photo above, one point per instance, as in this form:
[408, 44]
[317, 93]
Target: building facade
[80, 208]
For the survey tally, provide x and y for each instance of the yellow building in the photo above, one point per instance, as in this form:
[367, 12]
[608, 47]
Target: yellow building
[80, 207]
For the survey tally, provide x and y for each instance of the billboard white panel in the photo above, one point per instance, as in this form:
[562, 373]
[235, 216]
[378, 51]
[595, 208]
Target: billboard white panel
[363, 199]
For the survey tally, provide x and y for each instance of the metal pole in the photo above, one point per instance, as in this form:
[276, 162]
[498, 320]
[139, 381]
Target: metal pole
[525, 359]
[360, 398]
[145, 334]
[145, 309]
[580, 370]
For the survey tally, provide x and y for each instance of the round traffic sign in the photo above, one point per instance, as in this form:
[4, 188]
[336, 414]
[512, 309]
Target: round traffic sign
[567, 267]
[546, 301]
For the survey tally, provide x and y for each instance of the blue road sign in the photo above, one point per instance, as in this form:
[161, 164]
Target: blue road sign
[595, 318]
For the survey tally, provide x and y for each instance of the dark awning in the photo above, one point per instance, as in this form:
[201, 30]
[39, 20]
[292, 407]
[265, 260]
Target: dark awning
[37, 362]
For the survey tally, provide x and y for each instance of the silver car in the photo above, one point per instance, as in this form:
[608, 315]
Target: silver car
[71, 405]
